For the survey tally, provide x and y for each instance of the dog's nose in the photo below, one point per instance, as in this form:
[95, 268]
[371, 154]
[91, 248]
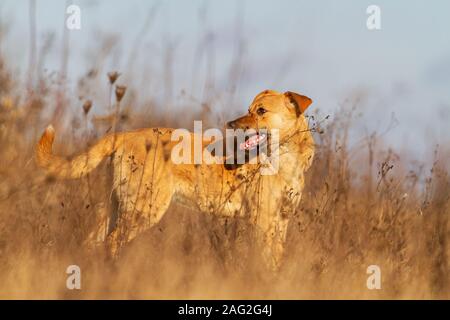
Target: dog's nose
[231, 124]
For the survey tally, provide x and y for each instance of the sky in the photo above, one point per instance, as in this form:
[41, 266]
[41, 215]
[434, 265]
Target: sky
[322, 49]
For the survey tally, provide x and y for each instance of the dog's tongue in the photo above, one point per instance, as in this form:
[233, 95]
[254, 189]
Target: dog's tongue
[252, 142]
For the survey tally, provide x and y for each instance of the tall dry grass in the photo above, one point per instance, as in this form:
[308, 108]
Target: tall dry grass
[363, 205]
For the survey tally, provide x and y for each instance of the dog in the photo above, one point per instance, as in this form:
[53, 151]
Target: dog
[146, 181]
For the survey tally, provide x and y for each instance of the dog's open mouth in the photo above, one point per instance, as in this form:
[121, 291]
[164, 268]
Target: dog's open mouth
[253, 141]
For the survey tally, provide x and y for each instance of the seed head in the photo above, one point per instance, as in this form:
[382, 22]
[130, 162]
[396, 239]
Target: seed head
[113, 75]
[120, 92]
[87, 105]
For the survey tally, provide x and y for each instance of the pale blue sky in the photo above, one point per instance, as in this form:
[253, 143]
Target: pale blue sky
[320, 48]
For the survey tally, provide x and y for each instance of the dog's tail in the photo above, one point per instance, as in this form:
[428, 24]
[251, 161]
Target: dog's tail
[77, 167]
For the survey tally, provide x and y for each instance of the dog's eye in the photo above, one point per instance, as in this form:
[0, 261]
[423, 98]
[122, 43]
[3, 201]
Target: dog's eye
[261, 111]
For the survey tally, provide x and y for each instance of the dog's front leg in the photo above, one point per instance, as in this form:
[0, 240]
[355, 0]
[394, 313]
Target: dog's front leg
[274, 237]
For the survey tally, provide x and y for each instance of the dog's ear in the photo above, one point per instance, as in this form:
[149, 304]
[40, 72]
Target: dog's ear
[297, 101]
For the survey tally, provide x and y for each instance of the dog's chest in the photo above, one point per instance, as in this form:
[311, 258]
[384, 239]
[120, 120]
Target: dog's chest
[265, 194]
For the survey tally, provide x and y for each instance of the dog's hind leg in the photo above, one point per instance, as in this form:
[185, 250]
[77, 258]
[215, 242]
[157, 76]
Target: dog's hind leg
[273, 232]
[135, 221]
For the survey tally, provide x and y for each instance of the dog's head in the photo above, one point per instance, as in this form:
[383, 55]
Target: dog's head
[273, 110]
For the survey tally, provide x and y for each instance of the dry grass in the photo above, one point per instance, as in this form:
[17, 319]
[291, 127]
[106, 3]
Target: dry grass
[363, 205]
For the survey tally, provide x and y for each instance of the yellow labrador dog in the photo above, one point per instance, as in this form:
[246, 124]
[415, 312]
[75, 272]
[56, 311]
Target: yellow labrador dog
[146, 179]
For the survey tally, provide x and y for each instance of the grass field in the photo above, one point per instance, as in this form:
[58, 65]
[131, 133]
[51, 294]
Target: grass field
[364, 204]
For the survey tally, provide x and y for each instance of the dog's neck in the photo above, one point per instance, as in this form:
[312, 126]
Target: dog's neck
[298, 141]
[297, 147]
